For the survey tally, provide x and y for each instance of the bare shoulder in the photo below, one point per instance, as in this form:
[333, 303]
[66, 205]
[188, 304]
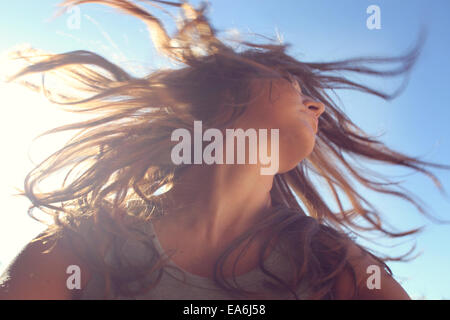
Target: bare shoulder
[39, 273]
[373, 282]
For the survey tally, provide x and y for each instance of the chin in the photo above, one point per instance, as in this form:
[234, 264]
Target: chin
[291, 158]
[294, 149]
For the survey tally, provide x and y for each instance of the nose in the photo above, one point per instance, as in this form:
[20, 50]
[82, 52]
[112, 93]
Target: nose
[316, 107]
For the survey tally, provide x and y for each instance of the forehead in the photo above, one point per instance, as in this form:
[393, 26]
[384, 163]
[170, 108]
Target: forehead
[287, 81]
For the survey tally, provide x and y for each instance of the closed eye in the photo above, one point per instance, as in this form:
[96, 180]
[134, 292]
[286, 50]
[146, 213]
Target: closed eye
[295, 83]
[297, 86]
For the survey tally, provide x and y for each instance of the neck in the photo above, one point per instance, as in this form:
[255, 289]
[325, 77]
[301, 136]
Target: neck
[219, 202]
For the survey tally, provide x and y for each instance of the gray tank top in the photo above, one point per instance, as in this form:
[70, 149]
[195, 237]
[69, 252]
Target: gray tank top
[178, 284]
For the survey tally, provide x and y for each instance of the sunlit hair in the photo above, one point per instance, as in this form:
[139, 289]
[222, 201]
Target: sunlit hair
[124, 152]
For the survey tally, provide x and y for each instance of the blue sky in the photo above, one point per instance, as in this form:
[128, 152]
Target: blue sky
[415, 123]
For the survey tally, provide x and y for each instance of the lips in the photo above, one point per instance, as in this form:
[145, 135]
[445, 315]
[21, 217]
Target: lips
[316, 125]
[314, 121]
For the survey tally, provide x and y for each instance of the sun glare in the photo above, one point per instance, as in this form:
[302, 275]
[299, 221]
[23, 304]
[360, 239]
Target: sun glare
[24, 115]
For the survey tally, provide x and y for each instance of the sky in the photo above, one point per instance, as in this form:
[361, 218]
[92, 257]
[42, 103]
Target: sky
[415, 123]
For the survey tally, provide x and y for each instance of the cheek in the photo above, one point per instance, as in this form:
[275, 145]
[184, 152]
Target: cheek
[296, 137]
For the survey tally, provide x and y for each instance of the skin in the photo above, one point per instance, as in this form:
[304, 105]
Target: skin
[219, 203]
[222, 201]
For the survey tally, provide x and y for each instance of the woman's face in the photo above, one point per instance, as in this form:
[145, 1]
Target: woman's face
[280, 104]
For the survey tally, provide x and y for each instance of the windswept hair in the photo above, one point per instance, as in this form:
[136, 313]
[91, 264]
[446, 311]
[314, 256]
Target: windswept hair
[124, 152]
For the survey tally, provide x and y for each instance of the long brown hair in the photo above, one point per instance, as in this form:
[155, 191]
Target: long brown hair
[124, 152]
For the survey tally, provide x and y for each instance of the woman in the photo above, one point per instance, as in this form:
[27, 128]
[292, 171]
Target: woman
[138, 225]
